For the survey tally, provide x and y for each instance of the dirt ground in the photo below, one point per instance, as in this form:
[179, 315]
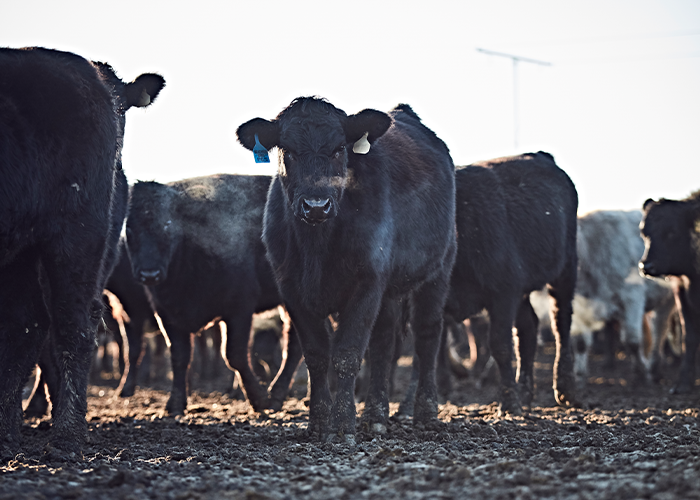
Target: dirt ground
[630, 441]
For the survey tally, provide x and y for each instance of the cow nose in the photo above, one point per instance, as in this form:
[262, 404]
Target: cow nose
[316, 209]
[149, 277]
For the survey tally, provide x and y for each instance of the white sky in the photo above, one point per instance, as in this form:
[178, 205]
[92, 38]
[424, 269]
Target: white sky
[619, 108]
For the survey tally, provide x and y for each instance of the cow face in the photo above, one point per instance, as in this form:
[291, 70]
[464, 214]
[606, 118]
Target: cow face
[318, 145]
[668, 228]
[139, 93]
[152, 231]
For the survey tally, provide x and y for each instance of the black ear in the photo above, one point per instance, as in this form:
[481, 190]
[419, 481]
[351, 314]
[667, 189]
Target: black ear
[369, 121]
[267, 132]
[144, 90]
[647, 203]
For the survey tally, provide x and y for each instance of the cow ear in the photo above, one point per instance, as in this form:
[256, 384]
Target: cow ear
[144, 90]
[647, 203]
[371, 122]
[267, 132]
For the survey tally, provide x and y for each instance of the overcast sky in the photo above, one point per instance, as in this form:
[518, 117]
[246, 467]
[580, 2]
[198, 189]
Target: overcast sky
[619, 107]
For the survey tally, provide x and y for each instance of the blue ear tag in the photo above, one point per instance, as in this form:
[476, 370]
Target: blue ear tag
[259, 152]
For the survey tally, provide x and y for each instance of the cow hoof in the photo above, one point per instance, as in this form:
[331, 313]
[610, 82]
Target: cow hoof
[566, 400]
[680, 388]
[340, 438]
[378, 428]
[127, 392]
[175, 409]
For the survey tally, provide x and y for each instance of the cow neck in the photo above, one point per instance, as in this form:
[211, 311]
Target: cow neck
[313, 244]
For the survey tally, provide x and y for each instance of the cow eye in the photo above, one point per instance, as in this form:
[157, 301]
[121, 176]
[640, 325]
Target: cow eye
[167, 225]
[289, 155]
[338, 152]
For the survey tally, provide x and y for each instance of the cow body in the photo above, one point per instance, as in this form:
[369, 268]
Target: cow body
[671, 232]
[516, 224]
[610, 288]
[357, 236]
[196, 246]
[61, 130]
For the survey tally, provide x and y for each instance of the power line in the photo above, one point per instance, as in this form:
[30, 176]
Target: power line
[516, 60]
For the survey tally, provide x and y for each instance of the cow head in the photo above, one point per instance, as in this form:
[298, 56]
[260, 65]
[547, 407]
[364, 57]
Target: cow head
[671, 233]
[317, 144]
[152, 231]
[139, 93]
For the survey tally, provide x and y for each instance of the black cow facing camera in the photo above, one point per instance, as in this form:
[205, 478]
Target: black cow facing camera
[671, 233]
[359, 219]
[62, 205]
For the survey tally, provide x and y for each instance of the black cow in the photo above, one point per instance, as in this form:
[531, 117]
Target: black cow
[516, 225]
[359, 219]
[196, 246]
[671, 232]
[61, 132]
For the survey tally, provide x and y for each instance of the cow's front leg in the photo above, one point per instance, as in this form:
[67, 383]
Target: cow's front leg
[181, 348]
[315, 343]
[350, 344]
[380, 356]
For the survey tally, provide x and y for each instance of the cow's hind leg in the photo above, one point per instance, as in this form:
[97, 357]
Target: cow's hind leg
[76, 308]
[562, 293]
[526, 323]
[23, 325]
[238, 346]
[502, 314]
[380, 356]
[427, 316]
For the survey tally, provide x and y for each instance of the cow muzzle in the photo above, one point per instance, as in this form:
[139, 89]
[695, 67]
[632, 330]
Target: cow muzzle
[316, 210]
[150, 277]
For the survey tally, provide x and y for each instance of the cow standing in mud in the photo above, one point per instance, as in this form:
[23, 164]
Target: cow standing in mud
[196, 245]
[516, 220]
[61, 131]
[359, 219]
[671, 232]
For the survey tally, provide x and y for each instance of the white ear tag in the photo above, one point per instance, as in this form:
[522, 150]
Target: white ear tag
[361, 147]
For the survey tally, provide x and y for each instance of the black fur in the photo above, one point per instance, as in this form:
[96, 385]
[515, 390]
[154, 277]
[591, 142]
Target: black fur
[61, 132]
[196, 246]
[356, 236]
[516, 224]
[671, 232]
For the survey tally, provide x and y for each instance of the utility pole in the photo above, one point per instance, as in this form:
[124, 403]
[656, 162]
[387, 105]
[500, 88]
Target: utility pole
[516, 60]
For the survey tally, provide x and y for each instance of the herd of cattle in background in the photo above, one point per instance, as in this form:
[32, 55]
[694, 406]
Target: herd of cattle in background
[367, 231]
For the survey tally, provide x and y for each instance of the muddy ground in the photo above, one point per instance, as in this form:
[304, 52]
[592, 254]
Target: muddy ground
[630, 441]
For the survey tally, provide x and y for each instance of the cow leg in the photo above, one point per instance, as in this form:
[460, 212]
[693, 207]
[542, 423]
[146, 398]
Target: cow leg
[314, 339]
[631, 334]
[291, 358]
[181, 349]
[381, 349]
[659, 326]
[24, 323]
[238, 347]
[562, 293]
[356, 323]
[526, 323]
[76, 308]
[427, 316]
[49, 384]
[134, 338]
[690, 322]
[502, 314]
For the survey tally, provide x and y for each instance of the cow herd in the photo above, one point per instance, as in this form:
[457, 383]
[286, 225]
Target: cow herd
[367, 230]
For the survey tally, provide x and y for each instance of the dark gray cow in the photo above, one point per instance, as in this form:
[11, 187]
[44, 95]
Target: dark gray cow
[516, 221]
[671, 232]
[61, 131]
[359, 220]
[196, 246]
